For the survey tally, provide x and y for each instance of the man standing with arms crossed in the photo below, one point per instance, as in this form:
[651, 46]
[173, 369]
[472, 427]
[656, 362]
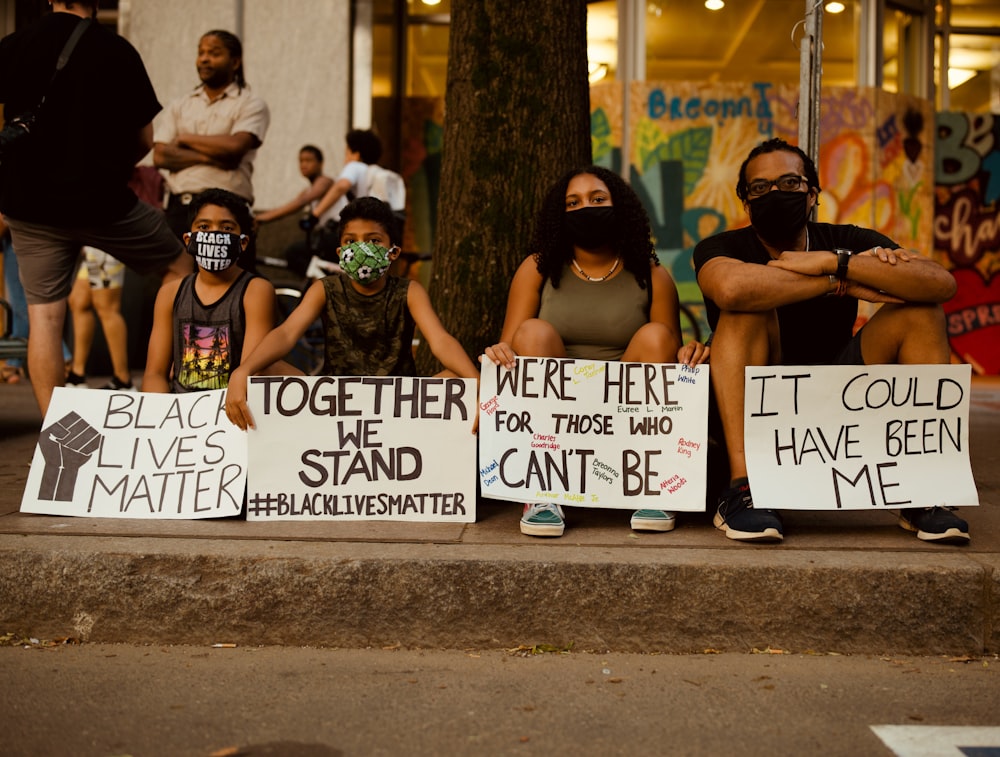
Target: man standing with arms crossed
[208, 139]
[65, 184]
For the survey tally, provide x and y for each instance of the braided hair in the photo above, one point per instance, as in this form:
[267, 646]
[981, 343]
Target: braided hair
[551, 245]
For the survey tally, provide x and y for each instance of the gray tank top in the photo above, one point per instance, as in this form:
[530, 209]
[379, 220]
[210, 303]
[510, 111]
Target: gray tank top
[596, 319]
[208, 338]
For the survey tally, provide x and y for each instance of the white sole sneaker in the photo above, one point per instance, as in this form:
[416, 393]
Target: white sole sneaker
[548, 521]
[653, 520]
[536, 529]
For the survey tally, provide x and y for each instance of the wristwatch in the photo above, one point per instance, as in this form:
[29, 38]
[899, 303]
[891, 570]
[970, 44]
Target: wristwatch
[843, 257]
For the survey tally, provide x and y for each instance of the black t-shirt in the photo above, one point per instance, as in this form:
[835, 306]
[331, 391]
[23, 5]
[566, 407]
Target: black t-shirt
[74, 167]
[813, 332]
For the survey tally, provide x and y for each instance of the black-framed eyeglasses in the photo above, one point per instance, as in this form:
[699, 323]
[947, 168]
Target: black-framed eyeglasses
[790, 182]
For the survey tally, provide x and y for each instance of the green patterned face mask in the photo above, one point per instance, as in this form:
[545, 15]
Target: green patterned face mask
[365, 262]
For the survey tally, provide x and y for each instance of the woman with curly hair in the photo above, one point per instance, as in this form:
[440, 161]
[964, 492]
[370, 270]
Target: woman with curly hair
[593, 289]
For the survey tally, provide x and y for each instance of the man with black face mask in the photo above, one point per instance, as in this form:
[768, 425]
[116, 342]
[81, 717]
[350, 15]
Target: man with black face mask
[786, 290]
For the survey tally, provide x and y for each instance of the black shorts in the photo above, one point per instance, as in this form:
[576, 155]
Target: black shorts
[851, 354]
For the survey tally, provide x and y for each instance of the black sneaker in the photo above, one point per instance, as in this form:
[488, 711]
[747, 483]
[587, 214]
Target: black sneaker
[117, 385]
[76, 380]
[738, 518]
[934, 524]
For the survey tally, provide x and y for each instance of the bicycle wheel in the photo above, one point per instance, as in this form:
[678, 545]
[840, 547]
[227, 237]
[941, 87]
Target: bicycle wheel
[309, 351]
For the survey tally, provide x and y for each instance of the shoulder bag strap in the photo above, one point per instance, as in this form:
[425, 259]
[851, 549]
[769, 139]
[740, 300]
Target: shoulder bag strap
[78, 30]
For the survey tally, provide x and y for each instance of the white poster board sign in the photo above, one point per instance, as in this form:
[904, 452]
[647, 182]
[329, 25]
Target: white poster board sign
[362, 448]
[594, 433]
[137, 455]
[858, 437]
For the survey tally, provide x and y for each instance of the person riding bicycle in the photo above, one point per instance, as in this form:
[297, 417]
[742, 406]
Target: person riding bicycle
[311, 168]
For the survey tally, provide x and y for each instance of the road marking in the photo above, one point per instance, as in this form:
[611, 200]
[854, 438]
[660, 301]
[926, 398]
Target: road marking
[940, 741]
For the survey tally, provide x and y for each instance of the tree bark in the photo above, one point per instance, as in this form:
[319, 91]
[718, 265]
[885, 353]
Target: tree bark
[517, 116]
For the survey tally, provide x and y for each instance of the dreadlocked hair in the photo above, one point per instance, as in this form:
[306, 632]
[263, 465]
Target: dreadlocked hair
[232, 43]
[553, 250]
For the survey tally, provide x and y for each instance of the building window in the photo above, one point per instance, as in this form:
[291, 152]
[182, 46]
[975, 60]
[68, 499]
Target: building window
[968, 36]
[745, 41]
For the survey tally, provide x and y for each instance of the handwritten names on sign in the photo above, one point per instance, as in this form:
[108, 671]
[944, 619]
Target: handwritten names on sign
[594, 433]
[137, 455]
[859, 437]
[362, 448]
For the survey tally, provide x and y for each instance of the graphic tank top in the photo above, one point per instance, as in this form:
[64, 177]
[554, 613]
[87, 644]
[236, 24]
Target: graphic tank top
[208, 339]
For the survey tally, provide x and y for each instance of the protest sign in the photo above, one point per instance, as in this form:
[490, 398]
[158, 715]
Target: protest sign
[361, 448]
[137, 455]
[858, 437]
[594, 433]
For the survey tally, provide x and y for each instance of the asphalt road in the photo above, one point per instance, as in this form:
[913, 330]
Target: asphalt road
[115, 700]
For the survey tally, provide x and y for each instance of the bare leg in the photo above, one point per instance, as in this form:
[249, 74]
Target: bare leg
[537, 338]
[741, 339]
[907, 334]
[45, 362]
[108, 304]
[83, 325]
[653, 343]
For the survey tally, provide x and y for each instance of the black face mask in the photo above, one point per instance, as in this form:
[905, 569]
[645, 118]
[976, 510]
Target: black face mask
[778, 216]
[592, 227]
[215, 250]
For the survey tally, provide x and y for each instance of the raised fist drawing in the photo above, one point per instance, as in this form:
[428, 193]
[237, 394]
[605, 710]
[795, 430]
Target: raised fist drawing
[66, 445]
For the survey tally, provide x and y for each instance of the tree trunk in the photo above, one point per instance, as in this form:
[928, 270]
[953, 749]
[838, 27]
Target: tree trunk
[517, 116]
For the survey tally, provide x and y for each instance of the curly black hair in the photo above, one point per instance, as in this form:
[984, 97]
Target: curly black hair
[366, 143]
[552, 248]
[224, 199]
[313, 150]
[372, 209]
[774, 145]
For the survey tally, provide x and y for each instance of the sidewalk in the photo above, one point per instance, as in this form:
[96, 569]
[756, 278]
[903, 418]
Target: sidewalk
[850, 582]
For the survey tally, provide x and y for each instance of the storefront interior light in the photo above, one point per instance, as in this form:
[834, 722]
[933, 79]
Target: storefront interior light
[596, 72]
[714, 5]
[835, 7]
[958, 76]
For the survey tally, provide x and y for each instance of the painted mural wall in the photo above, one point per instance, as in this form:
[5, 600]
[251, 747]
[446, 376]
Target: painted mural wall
[886, 162]
[687, 141]
[967, 232]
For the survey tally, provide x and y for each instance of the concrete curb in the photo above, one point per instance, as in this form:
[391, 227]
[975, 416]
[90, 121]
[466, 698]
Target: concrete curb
[106, 589]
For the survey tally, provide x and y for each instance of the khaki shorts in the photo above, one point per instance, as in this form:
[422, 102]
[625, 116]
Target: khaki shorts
[47, 255]
[101, 270]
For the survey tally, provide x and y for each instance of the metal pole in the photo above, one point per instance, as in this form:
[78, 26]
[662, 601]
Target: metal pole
[631, 64]
[811, 79]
